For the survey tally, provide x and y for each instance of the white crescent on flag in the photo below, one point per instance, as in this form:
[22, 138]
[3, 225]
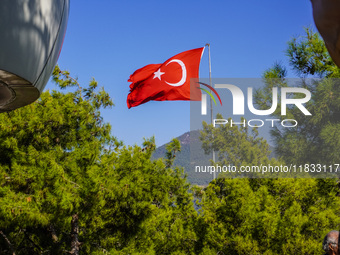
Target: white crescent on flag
[184, 73]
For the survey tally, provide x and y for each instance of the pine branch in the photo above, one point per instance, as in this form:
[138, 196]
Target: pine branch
[32, 242]
[72, 79]
[8, 242]
[76, 185]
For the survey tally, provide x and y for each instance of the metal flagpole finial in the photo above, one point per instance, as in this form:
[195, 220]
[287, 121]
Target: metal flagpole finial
[207, 44]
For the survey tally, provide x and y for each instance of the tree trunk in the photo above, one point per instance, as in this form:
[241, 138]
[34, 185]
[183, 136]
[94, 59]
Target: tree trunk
[53, 234]
[75, 244]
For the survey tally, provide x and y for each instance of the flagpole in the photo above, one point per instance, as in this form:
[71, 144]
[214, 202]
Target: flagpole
[211, 104]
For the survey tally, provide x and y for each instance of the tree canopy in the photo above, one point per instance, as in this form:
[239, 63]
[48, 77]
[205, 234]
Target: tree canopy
[67, 185]
[316, 139]
[277, 215]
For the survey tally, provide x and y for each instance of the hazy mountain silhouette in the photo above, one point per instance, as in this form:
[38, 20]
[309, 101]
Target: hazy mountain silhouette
[197, 155]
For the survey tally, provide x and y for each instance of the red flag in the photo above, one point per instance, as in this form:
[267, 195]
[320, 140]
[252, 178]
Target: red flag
[167, 81]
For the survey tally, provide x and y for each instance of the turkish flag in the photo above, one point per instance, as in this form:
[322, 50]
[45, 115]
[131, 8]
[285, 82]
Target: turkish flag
[167, 81]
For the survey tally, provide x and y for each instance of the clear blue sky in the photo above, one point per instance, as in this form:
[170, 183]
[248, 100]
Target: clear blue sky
[109, 40]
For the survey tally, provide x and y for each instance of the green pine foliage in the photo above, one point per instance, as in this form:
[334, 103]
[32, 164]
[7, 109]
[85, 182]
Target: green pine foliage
[237, 146]
[257, 215]
[276, 215]
[270, 216]
[66, 184]
[316, 138]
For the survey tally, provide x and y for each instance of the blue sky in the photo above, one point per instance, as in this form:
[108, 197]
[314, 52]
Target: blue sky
[109, 40]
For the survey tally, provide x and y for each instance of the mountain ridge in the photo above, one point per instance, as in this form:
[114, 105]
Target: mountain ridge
[191, 155]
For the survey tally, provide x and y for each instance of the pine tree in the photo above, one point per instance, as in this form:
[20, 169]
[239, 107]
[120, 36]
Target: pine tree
[67, 186]
[237, 146]
[276, 215]
[270, 216]
[316, 138]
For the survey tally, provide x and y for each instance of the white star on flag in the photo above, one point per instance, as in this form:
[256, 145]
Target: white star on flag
[158, 74]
